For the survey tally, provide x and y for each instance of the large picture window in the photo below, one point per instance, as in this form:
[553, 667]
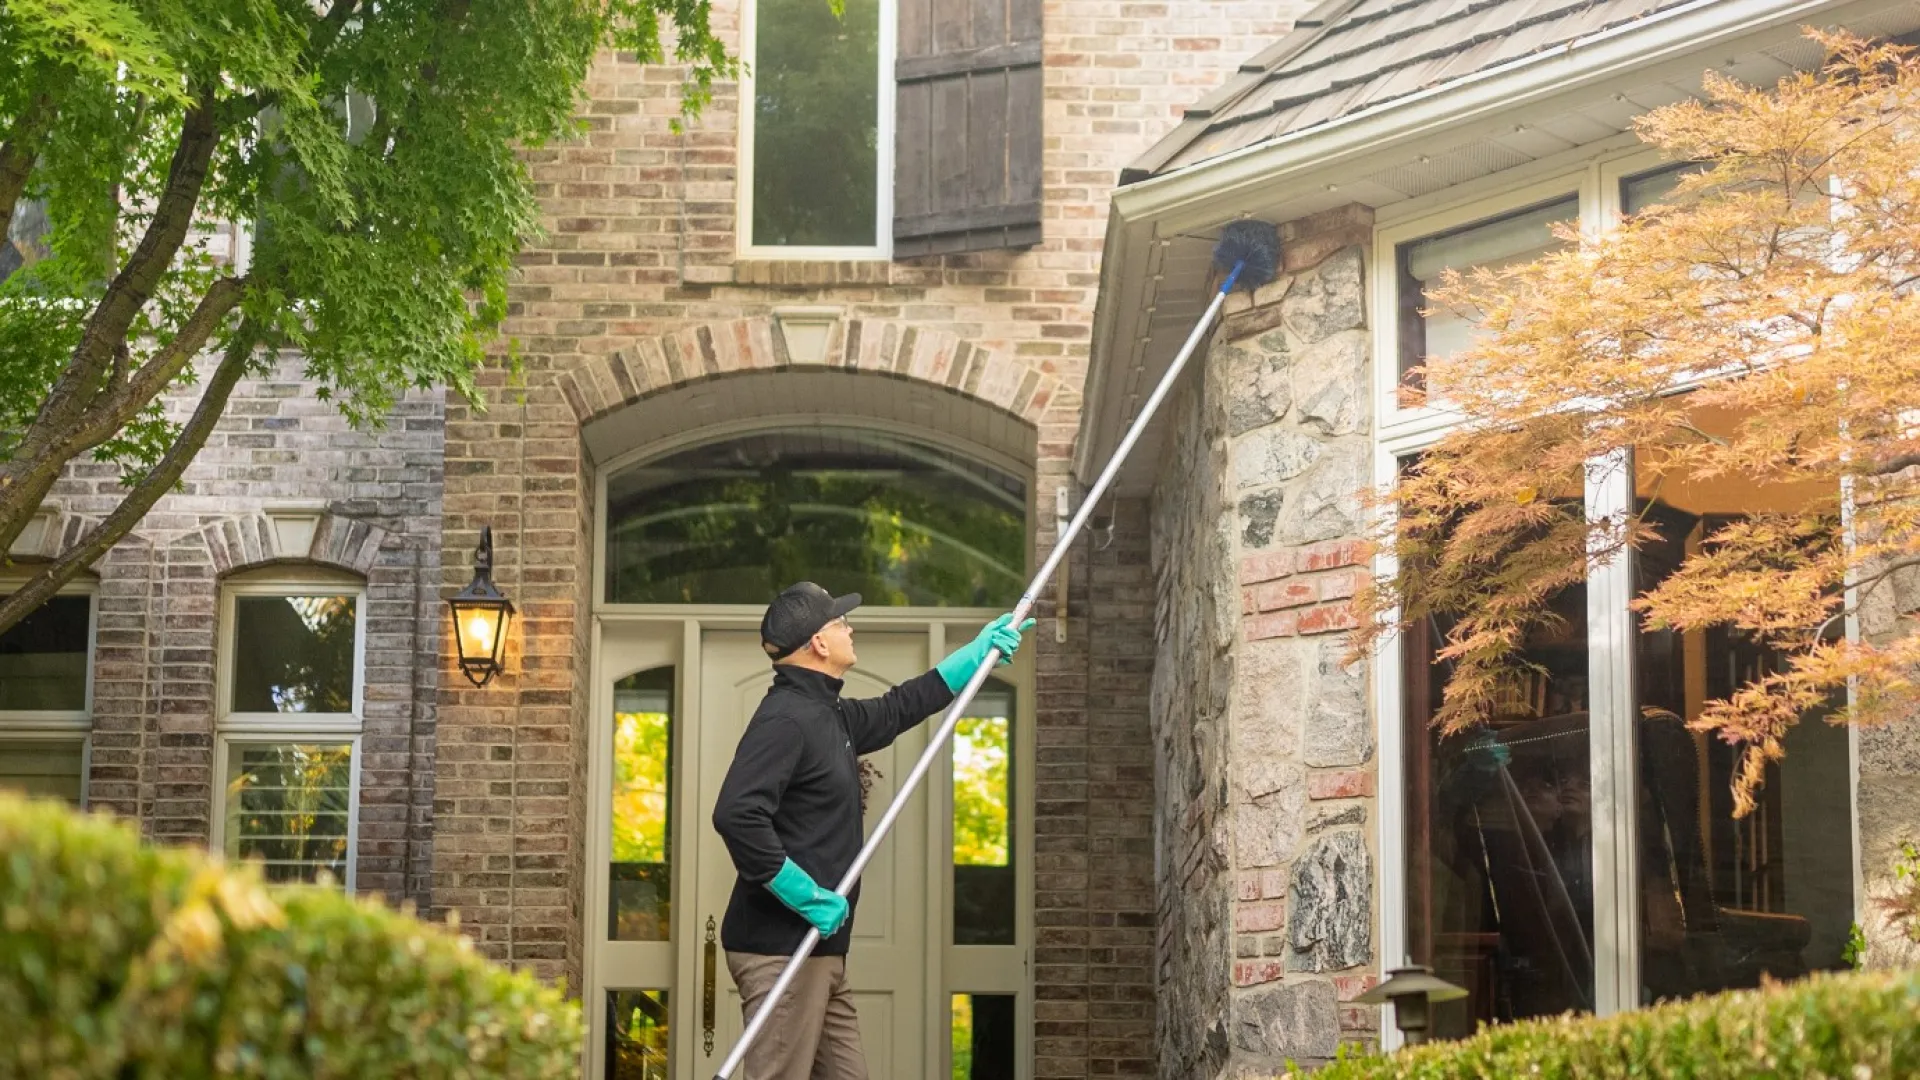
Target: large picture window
[1579, 850]
[734, 522]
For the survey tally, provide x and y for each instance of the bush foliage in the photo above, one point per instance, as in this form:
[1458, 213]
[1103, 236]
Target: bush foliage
[119, 959]
[1853, 1026]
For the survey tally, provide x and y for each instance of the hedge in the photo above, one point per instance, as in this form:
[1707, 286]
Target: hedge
[120, 959]
[1851, 1026]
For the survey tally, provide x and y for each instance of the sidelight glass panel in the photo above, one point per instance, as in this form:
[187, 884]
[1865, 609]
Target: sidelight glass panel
[1726, 900]
[1427, 336]
[637, 1030]
[983, 866]
[899, 521]
[640, 877]
[816, 117]
[294, 654]
[288, 805]
[982, 1036]
[1499, 832]
[43, 658]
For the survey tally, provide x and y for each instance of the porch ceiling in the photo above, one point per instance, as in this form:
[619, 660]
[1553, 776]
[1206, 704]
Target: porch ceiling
[1580, 96]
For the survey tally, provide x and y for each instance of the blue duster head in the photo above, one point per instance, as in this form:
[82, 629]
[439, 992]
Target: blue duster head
[1254, 246]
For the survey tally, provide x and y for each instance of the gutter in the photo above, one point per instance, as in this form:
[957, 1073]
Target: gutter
[1207, 193]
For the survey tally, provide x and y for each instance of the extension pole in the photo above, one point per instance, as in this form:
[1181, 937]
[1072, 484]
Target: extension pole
[959, 706]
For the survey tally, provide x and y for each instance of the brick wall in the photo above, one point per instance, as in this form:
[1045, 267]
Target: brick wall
[378, 494]
[636, 291]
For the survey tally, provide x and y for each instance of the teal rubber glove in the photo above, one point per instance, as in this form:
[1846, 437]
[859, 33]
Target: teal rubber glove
[824, 908]
[960, 666]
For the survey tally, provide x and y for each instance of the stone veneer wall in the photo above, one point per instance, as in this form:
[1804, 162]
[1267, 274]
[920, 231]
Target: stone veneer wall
[1888, 793]
[378, 495]
[1264, 741]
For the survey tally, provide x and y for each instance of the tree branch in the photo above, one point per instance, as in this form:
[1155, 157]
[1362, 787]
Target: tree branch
[158, 481]
[21, 149]
[30, 472]
[113, 411]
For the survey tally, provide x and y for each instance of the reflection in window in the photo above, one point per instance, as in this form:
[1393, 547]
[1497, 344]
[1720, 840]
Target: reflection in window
[1500, 242]
[293, 654]
[287, 805]
[816, 116]
[43, 658]
[637, 1029]
[53, 768]
[1653, 187]
[640, 878]
[982, 1036]
[900, 522]
[1499, 833]
[983, 871]
[1725, 901]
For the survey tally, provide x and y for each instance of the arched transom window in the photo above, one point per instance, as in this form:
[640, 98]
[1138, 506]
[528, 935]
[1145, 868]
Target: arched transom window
[901, 521]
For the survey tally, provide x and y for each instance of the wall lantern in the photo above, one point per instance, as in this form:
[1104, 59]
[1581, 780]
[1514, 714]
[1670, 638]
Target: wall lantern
[480, 615]
[1412, 991]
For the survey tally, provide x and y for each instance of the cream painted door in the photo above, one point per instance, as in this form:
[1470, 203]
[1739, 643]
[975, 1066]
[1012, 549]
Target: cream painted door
[887, 965]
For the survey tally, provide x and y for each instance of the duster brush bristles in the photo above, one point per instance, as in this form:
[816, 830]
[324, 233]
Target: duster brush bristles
[1249, 251]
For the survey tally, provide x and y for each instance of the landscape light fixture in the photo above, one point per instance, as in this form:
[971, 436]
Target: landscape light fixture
[1412, 990]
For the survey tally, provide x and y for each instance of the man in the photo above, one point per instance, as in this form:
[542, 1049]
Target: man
[789, 811]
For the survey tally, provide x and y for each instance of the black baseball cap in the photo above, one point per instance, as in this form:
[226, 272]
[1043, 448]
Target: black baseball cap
[798, 613]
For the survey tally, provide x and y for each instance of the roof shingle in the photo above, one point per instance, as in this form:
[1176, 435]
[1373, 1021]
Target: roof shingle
[1349, 55]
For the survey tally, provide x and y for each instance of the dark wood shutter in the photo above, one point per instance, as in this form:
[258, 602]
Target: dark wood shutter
[967, 136]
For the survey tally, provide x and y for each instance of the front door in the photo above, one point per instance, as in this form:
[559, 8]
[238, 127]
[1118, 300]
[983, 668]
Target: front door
[671, 699]
[887, 965]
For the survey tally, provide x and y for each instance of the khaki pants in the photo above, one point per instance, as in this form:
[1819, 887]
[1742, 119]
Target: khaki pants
[813, 1033]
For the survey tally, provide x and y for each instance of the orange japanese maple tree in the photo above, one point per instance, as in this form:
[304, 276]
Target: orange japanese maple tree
[1762, 325]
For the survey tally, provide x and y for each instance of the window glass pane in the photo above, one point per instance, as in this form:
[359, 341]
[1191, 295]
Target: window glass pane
[1725, 900]
[983, 868]
[28, 237]
[898, 521]
[1499, 833]
[640, 870]
[53, 768]
[43, 658]
[982, 1036]
[816, 123]
[637, 1028]
[287, 805]
[293, 654]
[1649, 188]
[1503, 241]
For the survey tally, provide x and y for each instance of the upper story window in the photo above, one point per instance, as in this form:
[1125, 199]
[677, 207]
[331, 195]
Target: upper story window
[900, 127]
[1427, 336]
[46, 664]
[899, 521]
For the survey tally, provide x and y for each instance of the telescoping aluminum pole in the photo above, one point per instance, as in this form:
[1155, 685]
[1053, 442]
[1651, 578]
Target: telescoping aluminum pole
[1251, 249]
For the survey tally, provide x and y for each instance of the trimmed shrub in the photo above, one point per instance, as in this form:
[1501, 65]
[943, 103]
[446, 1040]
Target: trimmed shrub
[1852, 1026]
[119, 959]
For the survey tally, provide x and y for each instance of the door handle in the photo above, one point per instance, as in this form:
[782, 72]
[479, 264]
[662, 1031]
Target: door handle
[709, 965]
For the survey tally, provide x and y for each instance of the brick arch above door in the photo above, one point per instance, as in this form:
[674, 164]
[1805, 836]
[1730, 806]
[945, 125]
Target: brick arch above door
[938, 358]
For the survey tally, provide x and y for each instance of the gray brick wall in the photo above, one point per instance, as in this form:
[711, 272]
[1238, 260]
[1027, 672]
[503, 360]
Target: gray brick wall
[380, 496]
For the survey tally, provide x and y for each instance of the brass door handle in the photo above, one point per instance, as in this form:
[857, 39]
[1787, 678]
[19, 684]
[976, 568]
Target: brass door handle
[710, 964]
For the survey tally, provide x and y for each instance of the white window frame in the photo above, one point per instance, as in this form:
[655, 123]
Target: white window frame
[1402, 432]
[254, 727]
[222, 758]
[294, 583]
[43, 725]
[882, 248]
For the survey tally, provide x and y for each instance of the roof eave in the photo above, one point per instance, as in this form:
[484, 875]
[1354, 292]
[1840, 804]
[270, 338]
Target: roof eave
[1219, 189]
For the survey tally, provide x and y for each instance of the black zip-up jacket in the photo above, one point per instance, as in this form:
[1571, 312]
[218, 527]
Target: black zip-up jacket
[793, 792]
